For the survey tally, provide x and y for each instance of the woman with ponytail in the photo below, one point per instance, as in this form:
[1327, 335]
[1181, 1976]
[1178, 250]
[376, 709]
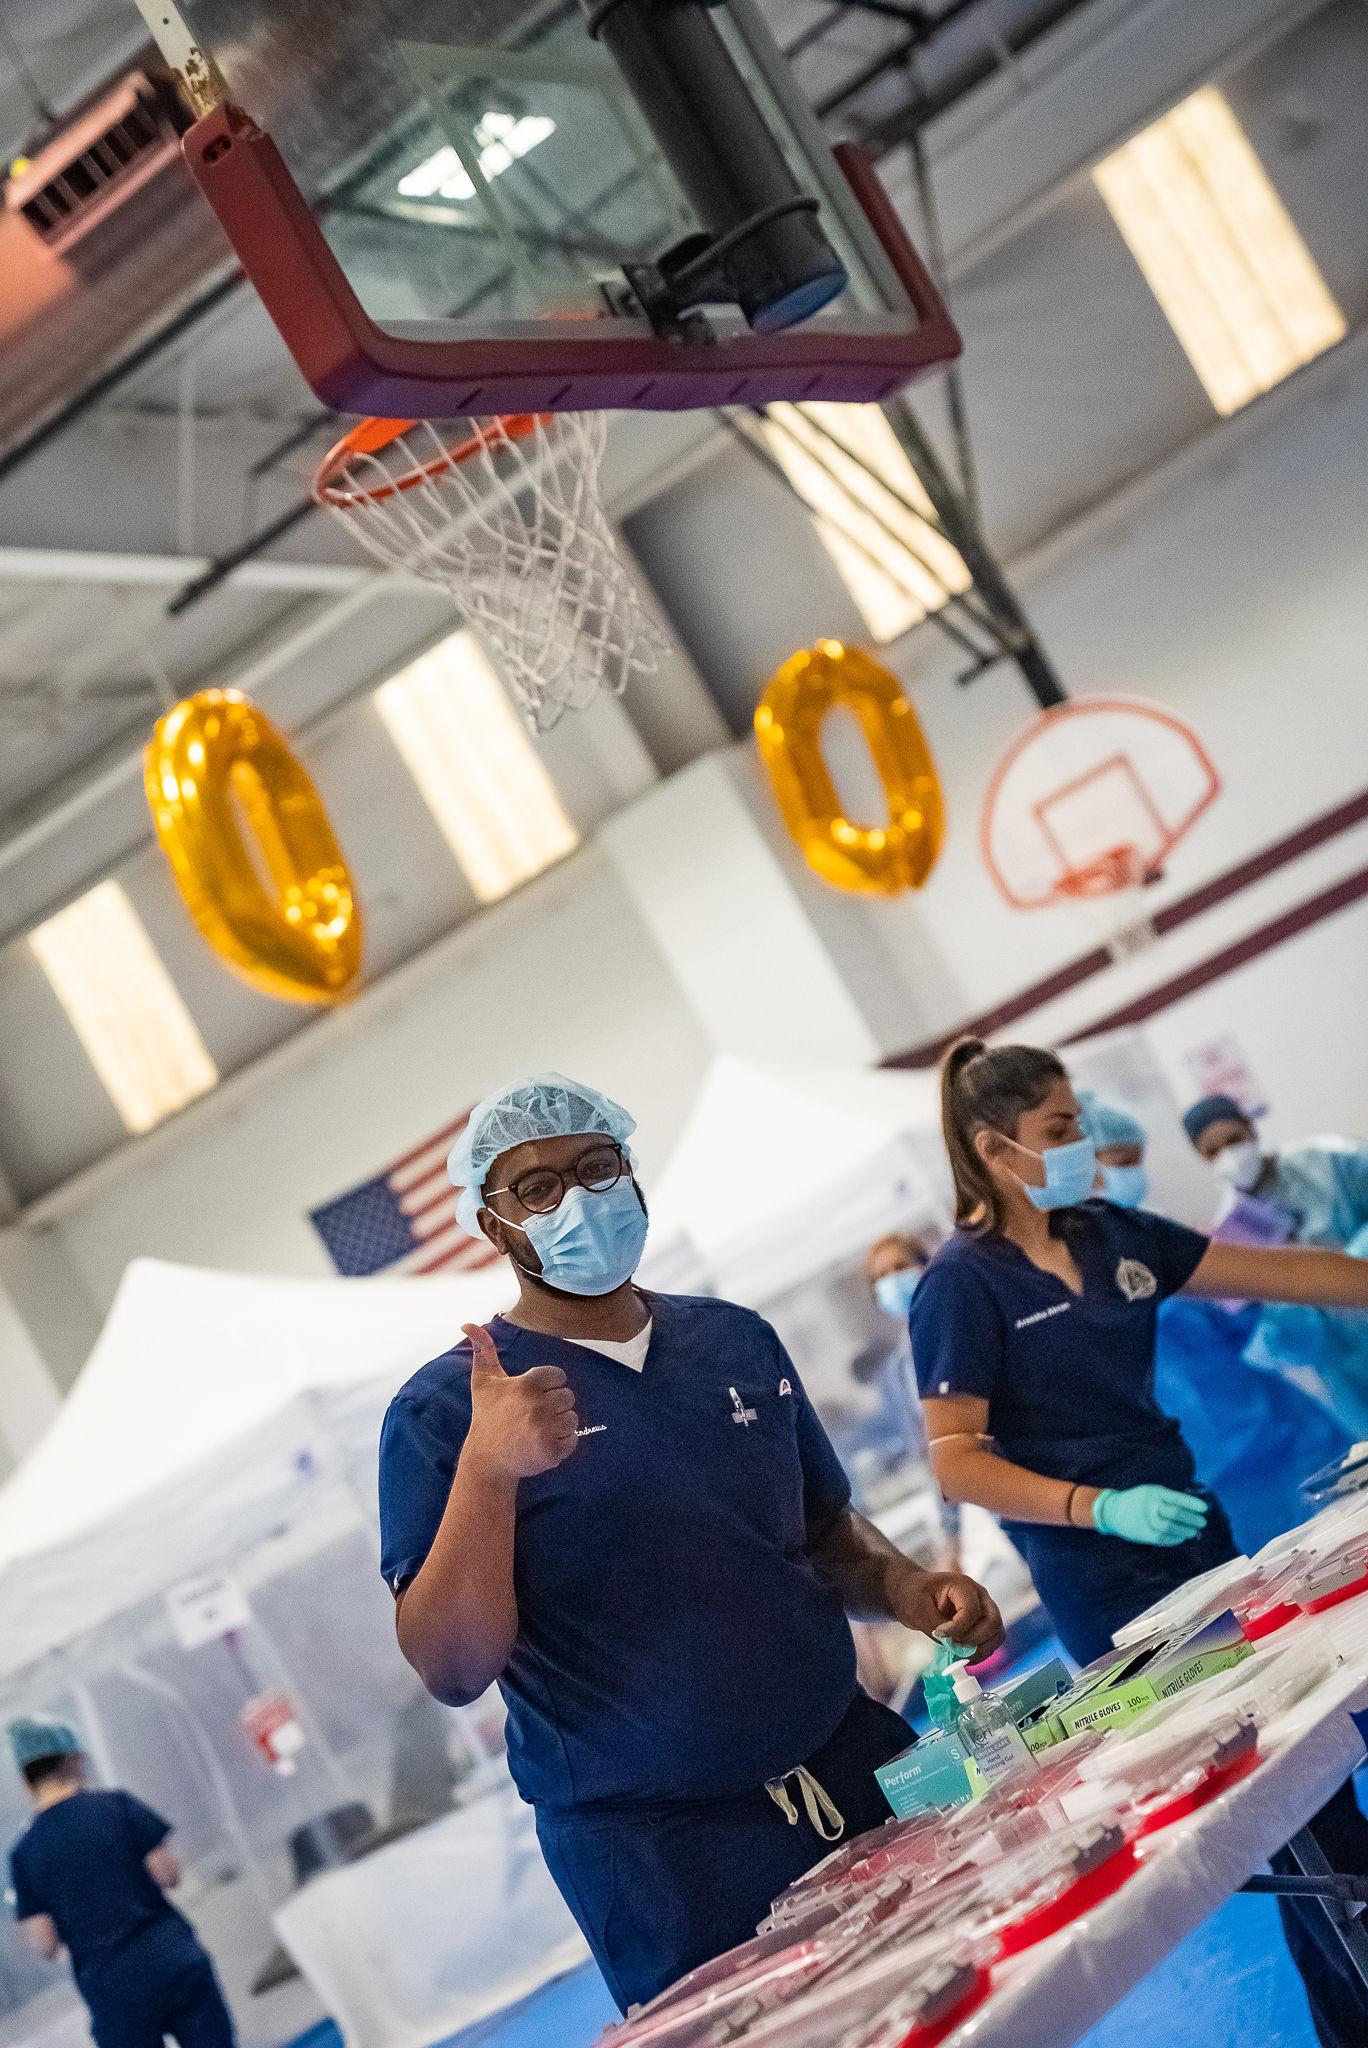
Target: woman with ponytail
[1033, 1336]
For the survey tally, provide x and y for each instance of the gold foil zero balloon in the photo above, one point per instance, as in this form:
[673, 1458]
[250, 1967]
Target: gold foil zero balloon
[251, 848]
[876, 860]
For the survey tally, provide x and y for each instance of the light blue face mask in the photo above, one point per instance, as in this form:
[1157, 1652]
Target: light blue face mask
[1125, 1185]
[590, 1243]
[894, 1291]
[1070, 1171]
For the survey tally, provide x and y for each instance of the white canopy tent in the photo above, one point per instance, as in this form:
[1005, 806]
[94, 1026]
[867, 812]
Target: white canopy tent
[209, 1401]
[784, 1169]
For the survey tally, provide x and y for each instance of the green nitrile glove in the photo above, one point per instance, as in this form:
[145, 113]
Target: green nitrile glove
[1150, 1514]
[938, 1682]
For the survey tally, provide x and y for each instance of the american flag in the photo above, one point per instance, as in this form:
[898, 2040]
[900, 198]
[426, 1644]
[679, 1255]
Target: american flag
[404, 1219]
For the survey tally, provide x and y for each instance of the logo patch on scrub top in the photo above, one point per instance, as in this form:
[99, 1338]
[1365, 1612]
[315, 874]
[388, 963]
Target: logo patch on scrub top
[1136, 1281]
[784, 1387]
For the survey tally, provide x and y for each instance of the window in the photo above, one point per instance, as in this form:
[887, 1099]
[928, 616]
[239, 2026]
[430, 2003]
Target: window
[870, 511]
[1236, 282]
[481, 777]
[124, 1007]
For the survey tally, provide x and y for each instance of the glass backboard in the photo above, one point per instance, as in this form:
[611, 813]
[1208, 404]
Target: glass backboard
[487, 171]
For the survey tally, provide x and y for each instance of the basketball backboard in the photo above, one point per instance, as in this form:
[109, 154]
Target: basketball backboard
[1091, 799]
[481, 206]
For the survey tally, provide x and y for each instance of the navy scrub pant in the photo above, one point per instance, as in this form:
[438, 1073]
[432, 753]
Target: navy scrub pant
[1093, 1587]
[187, 2004]
[658, 1889]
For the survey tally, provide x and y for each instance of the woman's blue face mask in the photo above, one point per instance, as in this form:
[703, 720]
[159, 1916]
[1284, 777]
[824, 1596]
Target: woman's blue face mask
[894, 1291]
[1070, 1171]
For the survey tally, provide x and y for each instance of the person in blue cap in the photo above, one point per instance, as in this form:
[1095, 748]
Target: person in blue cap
[1254, 1436]
[621, 1507]
[90, 1875]
[1314, 1192]
[1033, 1336]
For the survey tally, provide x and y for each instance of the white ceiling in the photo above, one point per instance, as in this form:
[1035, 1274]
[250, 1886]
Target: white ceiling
[1073, 383]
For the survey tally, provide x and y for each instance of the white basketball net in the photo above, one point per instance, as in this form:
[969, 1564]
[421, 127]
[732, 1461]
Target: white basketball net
[516, 533]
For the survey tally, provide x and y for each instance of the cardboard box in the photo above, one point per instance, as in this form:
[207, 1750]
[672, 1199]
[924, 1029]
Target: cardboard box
[936, 1772]
[1157, 1671]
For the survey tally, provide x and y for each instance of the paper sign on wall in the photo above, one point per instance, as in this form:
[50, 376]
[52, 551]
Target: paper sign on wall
[1218, 1067]
[204, 1608]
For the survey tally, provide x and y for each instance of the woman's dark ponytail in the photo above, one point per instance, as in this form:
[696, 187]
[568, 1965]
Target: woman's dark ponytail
[987, 1088]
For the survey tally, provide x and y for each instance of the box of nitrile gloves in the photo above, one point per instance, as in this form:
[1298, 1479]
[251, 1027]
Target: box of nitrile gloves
[935, 1772]
[1154, 1671]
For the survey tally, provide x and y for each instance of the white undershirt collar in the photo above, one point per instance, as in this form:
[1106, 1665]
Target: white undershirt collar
[628, 1351]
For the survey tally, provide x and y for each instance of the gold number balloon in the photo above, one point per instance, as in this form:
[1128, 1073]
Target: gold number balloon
[875, 860]
[252, 850]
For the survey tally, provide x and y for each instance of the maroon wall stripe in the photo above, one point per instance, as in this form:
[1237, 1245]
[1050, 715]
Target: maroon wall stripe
[1343, 818]
[1264, 939]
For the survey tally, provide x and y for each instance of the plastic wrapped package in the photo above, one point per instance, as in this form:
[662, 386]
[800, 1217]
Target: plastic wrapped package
[1183, 1606]
[745, 1963]
[1156, 1781]
[1330, 1579]
[859, 1962]
[910, 1996]
[1335, 1481]
[914, 1855]
[900, 1838]
[713, 2002]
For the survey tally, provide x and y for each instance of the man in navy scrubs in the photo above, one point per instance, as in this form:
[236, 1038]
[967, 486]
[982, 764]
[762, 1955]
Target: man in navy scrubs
[90, 1875]
[623, 1508]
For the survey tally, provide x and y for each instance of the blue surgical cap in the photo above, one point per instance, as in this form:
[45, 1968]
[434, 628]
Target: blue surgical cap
[542, 1106]
[30, 1739]
[1107, 1124]
[1213, 1109]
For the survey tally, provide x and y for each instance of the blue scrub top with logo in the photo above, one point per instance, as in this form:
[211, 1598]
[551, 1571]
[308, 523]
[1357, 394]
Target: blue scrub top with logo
[675, 1640]
[1069, 1382]
[1069, 1379]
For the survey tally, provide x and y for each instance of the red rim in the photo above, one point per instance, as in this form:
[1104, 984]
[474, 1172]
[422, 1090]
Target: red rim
[1082, 1895]
[1082, 707]
[1272, 1619]
[1327, 1600]
[938, 2030]
[373, 436]
[1201, 1795]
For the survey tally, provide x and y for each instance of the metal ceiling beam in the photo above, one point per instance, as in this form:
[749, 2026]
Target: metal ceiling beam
[171, 572]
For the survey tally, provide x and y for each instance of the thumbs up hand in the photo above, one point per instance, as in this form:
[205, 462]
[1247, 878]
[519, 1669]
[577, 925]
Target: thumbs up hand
[522, 1423]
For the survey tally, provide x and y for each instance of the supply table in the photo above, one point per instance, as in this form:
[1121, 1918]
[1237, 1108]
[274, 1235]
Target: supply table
[1051, 1995]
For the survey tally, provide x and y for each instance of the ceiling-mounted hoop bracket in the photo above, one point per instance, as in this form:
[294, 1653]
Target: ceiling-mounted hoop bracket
[354, 366]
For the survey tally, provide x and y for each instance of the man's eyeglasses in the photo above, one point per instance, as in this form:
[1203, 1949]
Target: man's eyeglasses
[541, 1189]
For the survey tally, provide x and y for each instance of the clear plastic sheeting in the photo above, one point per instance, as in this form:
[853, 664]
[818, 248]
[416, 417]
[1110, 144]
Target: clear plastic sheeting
[227, 1425]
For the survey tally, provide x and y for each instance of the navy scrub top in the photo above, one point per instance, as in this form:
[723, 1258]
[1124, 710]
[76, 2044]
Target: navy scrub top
[81, 1862]
[675, 1640]
[1069, 1379]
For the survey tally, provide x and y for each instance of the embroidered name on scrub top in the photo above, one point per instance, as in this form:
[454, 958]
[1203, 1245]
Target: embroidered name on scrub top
[1042, 1315]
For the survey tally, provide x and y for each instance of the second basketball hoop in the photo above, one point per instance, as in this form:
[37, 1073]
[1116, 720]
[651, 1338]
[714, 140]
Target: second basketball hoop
[1091, 799]
[505, 514]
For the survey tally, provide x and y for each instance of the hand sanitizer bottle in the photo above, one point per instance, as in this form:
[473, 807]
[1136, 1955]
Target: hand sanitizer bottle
[988, 1732]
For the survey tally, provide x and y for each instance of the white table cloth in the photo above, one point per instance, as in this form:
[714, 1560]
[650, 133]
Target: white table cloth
[435, 1931]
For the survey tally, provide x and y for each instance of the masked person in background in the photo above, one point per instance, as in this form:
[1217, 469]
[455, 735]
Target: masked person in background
[1313, 1193]
[1033, 1335]
[90, 1875]
[1253, 1435]
[893, 1267]
[622, 1508]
